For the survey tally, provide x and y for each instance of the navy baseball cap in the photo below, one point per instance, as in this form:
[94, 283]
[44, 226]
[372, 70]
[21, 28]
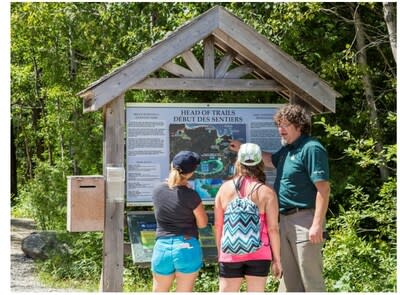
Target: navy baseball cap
[186, 161]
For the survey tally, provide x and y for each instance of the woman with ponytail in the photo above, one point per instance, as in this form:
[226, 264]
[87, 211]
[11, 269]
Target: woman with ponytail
[179, 213]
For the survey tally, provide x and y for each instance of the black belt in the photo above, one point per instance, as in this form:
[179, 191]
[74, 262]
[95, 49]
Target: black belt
[290, 211]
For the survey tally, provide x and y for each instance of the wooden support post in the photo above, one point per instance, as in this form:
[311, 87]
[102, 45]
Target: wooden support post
[113, 238]
[209, 58]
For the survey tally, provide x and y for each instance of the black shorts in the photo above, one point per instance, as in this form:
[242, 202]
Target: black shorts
[258, 268]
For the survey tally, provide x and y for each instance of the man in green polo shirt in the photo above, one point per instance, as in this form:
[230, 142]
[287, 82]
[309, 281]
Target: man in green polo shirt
[302, 186]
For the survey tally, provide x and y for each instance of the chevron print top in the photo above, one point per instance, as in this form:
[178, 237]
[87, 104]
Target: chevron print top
[241, 233]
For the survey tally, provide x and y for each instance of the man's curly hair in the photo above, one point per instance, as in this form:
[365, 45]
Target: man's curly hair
[296, 115]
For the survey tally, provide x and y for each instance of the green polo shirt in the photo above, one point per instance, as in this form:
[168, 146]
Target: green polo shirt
[299, 165]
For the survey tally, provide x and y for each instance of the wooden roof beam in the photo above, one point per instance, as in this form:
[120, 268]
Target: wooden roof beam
[209, 58]
[178, 70]
[258, 73]
[203, 84]
[239, 71]
[192, 62]
[223, 65]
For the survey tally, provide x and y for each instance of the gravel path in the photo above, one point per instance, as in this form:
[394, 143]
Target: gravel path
[23, 274]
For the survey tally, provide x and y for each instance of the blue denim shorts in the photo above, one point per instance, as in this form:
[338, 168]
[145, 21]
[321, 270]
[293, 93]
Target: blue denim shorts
[176, 254]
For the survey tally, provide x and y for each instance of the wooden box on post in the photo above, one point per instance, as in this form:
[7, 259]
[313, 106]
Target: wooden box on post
[85, 203]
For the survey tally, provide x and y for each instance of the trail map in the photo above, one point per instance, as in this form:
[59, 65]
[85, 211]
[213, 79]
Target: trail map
[211, 143]
[156, 132]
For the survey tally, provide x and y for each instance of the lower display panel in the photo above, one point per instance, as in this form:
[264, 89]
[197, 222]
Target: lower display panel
[142, 233]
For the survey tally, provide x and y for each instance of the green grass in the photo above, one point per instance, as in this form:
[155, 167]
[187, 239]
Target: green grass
[79, 285]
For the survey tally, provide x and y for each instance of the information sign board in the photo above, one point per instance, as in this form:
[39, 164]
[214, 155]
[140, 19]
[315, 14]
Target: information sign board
[156, 132]
[142, 233]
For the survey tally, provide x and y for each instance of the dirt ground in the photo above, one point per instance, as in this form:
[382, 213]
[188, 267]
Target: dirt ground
[23, 274]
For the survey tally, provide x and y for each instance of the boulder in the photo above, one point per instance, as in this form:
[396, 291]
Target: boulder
[38, 244]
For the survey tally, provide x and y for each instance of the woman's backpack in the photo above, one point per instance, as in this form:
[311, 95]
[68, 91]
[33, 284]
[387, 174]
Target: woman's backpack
[241, 233]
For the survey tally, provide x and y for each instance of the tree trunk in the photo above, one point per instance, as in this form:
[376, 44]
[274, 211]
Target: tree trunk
[153, 23]
[14, 192]
[73, 72]
[72, 56]
[389, 13]
[37, 110]
[29, 163]
[75, 166]
[368, 89]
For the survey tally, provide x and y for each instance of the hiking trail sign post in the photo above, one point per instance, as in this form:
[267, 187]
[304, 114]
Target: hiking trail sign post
[247, 62]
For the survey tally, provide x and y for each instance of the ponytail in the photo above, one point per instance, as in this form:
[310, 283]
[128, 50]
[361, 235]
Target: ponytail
[176, 178]
[256, 171]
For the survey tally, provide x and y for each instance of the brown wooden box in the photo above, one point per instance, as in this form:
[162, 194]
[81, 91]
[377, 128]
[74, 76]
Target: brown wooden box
[85, 203]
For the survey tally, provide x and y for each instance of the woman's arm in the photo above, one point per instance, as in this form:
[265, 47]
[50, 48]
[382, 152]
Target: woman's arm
[201, 216]
[272, 212]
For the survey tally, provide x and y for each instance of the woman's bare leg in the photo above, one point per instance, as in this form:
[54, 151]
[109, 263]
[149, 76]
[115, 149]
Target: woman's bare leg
[185, 281]
[255, 284]
[230, 284]
[162, 283]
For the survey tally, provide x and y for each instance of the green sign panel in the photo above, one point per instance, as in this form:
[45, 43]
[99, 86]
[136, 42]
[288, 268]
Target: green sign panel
[142, 233]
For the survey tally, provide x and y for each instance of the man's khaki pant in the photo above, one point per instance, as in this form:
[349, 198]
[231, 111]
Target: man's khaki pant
[301, 260]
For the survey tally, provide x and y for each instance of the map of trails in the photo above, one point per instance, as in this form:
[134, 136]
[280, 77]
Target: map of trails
[211, 142]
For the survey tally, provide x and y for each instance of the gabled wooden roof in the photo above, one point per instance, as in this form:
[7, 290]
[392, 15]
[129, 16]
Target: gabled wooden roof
[244, 52]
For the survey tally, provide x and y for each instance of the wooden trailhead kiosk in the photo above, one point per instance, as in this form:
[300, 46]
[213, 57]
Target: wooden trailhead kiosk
[243, 53]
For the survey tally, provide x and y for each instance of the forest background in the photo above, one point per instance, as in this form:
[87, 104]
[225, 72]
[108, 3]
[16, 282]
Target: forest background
[58, 49]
